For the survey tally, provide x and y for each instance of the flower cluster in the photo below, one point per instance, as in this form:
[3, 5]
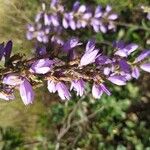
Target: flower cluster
[49, 23]
[76, 70]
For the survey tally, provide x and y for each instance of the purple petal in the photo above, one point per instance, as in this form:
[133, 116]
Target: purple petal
[76, 6]
[107, 71]
[97, 91]
[42, 66]
[65, 23]
[105, 89]
[26, 92]
[55, 21]
[135, 73]
[78, 86]
[71, 43]
[29, 35]
[82, 9]
[8, 49]
[117, 79]
[124, 66]
[88, 58]
[51, 86]
[47, 20]
[143, 55]
[12, 79]
[121, 53]
[145, 67]
[113, 17]
[63, 91]
[87, 16]
[98, 12]
[108, 8]
[103, 29]
[72, 24]
[131, 48]
[101, 60]
[90, 46]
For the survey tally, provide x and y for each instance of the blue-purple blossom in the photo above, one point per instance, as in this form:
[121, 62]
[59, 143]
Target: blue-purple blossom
[26, 92]
[90, 55]
[78, 86]
[98, 90]
[63, 91]
[51, 85]
[124, 50]
[42, 66]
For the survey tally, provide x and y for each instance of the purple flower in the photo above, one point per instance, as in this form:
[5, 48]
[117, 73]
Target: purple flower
[98, 12]
[51, 86]
[42, 66]
[90, 55]
[12, 79]
[71, 43]
[78, 86]
[143, 55]
[125, 50]
[135, 72]
[125, 67]
[99, 89]
[90, 46]
[117, 79]
[26, 92]
[102, 59]
[145, 67]
[63, 91]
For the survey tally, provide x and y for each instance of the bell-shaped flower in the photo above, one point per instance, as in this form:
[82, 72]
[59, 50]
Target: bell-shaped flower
[135, 72]
[12, 79]
[63, 91]
[117, 79]
[99, 89]
[42, 66]
[142, 56]
[78, 86]
[51, 85]
[90, 54]
[26, 92]
[145, 67]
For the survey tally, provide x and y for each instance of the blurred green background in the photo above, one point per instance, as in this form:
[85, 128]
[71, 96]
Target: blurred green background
[118, 122]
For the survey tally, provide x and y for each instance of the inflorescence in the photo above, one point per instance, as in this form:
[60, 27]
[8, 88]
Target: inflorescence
[63, 64]
[79, 68]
